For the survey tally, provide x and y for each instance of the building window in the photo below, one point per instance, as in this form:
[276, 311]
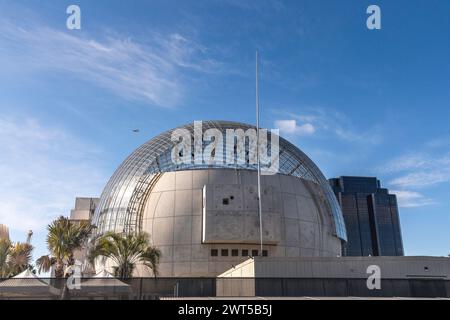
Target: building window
[234, 252]
[224, 252]
[245, 253]
[214, 252]
[265, 253]
[254, 253]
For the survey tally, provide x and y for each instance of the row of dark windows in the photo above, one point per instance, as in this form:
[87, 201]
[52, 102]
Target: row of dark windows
[235, 253]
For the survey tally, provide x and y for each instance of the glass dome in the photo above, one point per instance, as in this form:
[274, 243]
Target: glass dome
[124, 195]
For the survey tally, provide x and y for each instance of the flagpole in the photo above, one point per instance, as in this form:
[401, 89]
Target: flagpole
[258, 159]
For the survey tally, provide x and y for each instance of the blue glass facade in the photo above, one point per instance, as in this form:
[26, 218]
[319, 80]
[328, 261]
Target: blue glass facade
[371, 217]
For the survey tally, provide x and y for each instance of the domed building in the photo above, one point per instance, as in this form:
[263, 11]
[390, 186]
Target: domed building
[203, 215]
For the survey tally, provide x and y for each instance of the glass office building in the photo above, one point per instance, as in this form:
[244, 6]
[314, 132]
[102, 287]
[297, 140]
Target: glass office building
[371, 217]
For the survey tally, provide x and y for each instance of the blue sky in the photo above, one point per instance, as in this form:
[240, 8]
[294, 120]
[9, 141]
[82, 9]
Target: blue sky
[365, 102]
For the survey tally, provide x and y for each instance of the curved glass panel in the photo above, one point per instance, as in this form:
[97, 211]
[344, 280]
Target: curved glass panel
[155, 156]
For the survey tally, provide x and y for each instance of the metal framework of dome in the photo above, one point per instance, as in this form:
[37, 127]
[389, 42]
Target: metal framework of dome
[126, 192]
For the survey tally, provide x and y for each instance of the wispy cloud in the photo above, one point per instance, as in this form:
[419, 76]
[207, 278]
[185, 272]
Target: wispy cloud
[414, 171]
[439, 142]
[418, 170]
[411, 199]
[415, 161]
[290, 127]
[422, 179]
[42, 169]
[324, 121]
[150, 72]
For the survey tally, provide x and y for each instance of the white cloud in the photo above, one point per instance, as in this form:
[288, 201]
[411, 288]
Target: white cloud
[331, 122]
[418, 170]
[291, 127]
[414, 162]
[439, 142]
[411, 199]
[149, 72]
[422, 179]
[42, 170]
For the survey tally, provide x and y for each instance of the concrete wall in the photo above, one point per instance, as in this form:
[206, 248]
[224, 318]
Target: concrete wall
[84, 208]
[235, 287]
[343, 267]
[300, 225]
[230, 214]
[340, 276]
[83, 211]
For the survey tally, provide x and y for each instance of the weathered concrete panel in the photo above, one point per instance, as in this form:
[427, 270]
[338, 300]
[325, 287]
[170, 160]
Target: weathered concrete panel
[183, 180]
[163, 231]
[290, 206]
[182, 230]
[166, 205]
[166, 253]
[165, 183]
[173, 216]
[183, 202]
[182, 253]
[227, 219]
[181, 269]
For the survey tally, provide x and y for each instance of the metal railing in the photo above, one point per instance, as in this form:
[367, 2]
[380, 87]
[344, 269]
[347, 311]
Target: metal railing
[159, 288]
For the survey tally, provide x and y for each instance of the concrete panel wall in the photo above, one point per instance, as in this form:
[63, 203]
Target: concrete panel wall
[84, 208]
[229, 287]
[80, 214]
[231, 215]
[344, 267]
[340, 276]
[296, 220]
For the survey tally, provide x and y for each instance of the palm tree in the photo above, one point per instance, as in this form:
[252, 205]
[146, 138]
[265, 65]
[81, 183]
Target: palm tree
[44, 263]
[126, 250]
[19, 258]
[64, 237]
[14, 258]
[5, 249]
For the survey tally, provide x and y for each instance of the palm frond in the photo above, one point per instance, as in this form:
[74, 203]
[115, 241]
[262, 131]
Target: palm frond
[5, 249]
[64, 237]
[19, 257]
[126, 251]
[151, 259]
[45, 263]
